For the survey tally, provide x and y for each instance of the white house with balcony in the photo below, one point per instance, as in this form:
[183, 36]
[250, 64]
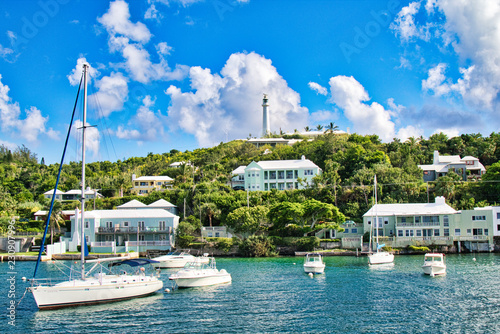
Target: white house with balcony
[280, 174]
[143, 185]
[442, 164]
[72, 195]
[238, 178]
[125, 230]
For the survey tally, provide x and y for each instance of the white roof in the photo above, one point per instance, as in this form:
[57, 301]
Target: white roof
[161, 203]
[470, 158]
[287, 164]
[79, 191]
[144, 213]
[132, 205]
[239, 170]
[449, 158]
[64, 212]
[50, 192]
[410, 209]
[153, 178]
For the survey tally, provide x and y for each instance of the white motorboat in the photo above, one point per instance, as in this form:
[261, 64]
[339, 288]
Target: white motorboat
[197, 273]
[314, 263]
[84, 289]
[434, 264]
[380, 256]
[178, 259]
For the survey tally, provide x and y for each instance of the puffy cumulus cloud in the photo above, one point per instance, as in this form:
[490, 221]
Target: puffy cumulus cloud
[229, 105]
[129, 38]
[76, 74]
[318, 88]
[117, 21]
[404, 24]
[150, 125]
[472, 29]
[349, 95]
[409, 132]
[92, 137]
[112, 93]
[28, 128]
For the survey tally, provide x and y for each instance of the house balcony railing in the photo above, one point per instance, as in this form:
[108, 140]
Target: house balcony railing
[129, 230]
[427, 224]
[148, 243]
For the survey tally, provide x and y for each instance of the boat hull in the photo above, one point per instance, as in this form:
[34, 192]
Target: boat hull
[179, 262]
[380, 258]
[314, 269]
[434, 270]
[88, 292]
[192, 282]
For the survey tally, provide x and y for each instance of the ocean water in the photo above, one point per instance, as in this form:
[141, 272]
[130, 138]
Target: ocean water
[274, 295]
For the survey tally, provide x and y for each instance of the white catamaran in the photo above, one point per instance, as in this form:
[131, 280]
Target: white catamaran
[103, 285]
[380, 256]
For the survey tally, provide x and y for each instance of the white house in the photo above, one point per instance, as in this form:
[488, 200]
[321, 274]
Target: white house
[442, 164]
[238, 178]
[72, 195]
[124, 230]
[145, 184]
[280, 174]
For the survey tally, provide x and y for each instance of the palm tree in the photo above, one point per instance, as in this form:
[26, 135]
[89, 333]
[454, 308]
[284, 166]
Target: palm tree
[210, 210]
[319, 127]
[331, 127]
[307, 128]
[55, 219]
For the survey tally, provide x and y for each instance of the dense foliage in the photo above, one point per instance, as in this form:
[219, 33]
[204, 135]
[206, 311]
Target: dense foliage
[204, 193]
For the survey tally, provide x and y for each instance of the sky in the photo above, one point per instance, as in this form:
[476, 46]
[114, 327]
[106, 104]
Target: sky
[187, 74]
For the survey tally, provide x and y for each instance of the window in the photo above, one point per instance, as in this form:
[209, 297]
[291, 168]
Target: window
[478, 217]
[162, 225]
[403, 219]
[109, 238]
[386, 220]
[436, 232]
[457, 232]
[125, 224]
[266, 186]
[498, 215]
[445, 221]
[469, 231]
[308, 172]
[86, 224]
[158, 183]
[446, 232]
[346, 231]
[272, 175]
[140, 225]
[419, 233]
[400, 233]
[369, 222]
[289, 174]
[417, 219]
[144, 184]
[142, 237]
[281, 186]
[477, 231]
[354, 230]
[485, 231]
[272, 185]
[241, 177]
[296, 174]
[217, 234]
[281, 175]
[407, 233]
[265, 175]
[498, 227]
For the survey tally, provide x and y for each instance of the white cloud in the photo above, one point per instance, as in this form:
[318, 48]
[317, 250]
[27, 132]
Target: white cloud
[129, 38]
[450, 133]
[76, 74]
[318, 88]
[150, 125]
[322, 116]
[112, 93]
[350, 95]
[404, 24]
[408, 132]
[229, 105]
[436, 81]
[116, 21]
[92, 137]
[28, 128]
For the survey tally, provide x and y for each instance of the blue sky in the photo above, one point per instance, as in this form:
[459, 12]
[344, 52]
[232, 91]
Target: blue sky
[184, 74]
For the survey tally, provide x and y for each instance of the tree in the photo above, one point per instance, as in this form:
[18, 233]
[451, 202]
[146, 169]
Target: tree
[56, 219]
[210, 210]
[248, 220]
[491, 183]
[331, 127]
[319, 127]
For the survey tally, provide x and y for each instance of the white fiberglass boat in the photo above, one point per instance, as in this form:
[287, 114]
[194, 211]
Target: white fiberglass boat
[178, 259]
[434, 264]
[314, 263]
[380, 256]
[104, 286]
[197, 273]
[99, 288]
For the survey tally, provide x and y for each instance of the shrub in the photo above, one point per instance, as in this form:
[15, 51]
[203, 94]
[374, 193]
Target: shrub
[257, 246]
[307, 243]
[419, 249]
[224, 244]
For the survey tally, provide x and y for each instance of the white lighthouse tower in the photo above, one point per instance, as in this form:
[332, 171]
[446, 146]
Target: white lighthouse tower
[266, 128]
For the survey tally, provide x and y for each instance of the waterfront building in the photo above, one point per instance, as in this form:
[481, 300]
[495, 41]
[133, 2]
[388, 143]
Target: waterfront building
[144, 185]
[442, 164]
[215, 232]
[280, 174]
[125, 230]
[72, 195]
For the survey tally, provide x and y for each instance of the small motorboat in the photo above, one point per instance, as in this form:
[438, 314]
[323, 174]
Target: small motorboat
[314, 263]
[198, 273]
[434, 264]
[178, 259]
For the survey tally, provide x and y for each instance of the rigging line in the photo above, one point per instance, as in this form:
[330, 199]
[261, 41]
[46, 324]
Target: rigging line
[57, 181]
[102, 120]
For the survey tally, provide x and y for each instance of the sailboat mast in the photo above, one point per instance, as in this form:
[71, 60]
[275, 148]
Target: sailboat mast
[376, 215]
[82, 220]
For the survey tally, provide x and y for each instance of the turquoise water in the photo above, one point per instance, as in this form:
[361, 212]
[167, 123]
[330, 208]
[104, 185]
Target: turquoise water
[275, 296]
